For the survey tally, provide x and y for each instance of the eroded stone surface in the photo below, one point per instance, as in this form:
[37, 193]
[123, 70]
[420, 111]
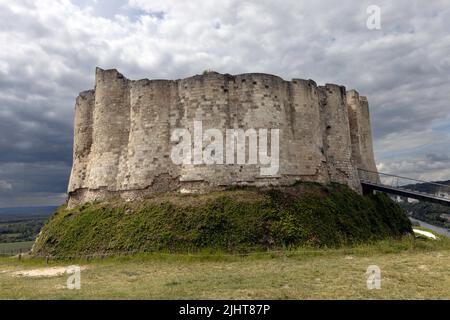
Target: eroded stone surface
[122, 133]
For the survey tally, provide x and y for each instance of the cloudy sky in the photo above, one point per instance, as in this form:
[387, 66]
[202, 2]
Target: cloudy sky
[49, 50]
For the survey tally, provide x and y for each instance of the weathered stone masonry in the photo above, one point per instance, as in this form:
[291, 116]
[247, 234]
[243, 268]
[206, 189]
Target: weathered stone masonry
[122, 133]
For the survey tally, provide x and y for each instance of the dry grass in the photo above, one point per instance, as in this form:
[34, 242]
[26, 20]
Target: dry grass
[410, 270]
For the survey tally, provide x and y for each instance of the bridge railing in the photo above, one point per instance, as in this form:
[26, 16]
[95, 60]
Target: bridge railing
[369, 176]
[400, 182]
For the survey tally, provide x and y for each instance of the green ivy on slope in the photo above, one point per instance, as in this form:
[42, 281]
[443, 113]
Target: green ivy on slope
[237, 220]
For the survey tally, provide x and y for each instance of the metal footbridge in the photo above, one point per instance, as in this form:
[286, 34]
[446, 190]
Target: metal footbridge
[404, 187]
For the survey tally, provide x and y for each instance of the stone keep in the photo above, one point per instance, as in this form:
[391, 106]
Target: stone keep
[122, 133]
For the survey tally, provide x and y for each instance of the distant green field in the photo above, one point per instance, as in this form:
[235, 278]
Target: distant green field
[15, 247]
[21, 229]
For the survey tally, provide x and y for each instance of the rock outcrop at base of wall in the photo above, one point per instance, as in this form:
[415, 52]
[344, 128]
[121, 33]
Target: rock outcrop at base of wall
[123, 130]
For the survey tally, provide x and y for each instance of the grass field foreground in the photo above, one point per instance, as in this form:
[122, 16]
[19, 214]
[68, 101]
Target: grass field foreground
[410, 269]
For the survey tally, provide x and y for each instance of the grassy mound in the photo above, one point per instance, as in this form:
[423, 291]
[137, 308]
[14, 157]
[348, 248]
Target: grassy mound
[234, 221]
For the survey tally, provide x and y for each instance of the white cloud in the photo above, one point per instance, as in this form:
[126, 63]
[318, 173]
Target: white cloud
[417, 168]
[407, 140]
[51, 48]
[5, 185]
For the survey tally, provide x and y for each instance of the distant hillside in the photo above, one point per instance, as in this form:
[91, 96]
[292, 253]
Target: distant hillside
[25, 213]
[429, 187]
[19, 225]
[431, 213]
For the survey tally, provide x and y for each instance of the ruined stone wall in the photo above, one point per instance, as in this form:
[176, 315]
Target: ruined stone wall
[361, 135]
[336, 136]
[83, 125]
[122, 142]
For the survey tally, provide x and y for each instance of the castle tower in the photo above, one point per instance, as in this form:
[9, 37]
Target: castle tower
[361, 135]
[123, 135]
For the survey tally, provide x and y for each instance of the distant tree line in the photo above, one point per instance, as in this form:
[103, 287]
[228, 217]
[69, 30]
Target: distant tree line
[16, 231]
[431, 213]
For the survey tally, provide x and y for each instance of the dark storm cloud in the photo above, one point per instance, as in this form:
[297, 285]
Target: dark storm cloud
[438, 157]
[50, 50]
[39, 183]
